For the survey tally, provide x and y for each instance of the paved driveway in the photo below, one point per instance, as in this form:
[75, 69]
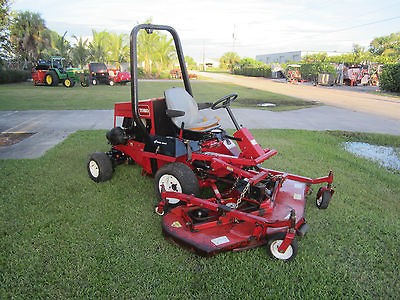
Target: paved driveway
[343, 97]
[51, 127]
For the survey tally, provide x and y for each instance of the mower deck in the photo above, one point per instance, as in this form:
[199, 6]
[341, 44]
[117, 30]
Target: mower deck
[225, 230]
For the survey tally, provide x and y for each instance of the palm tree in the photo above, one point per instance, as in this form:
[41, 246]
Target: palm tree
[118, 48]
[26, 35]
[165, 54]
[155, 52]
[98, 47]
[60, 45]
[146, 45]
[80, 52]
[229, 60]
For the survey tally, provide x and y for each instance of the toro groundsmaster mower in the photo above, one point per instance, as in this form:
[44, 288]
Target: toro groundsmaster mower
[213, 194]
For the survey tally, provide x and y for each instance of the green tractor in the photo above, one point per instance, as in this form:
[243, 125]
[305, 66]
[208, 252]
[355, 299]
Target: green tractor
[57, 72]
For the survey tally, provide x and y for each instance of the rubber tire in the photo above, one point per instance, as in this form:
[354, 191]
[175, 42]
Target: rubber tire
[68, 82]
[85, 82]
[183, 174]
[54, 78]
[111, 83]
[322, 200]
[94, 81]
[102, 163]
[275, 240]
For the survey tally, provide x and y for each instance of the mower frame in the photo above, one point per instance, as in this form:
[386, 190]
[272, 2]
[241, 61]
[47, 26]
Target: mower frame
[251, 205]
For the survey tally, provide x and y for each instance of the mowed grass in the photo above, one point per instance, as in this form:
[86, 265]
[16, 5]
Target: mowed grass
[64, 236]
[26, 96]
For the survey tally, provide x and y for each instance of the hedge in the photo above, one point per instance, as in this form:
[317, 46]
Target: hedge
[310, 71]
[12, 76]
[389, 80]
[264, 71]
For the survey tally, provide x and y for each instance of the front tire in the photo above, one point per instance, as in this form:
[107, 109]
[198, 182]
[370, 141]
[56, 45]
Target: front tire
[176, 177]
[68, 82]
[273, 244]
[99, 167]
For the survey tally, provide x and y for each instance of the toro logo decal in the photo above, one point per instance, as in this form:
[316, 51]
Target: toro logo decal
[144, 111]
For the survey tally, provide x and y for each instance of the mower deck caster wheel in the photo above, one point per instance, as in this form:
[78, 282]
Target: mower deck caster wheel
[323, 197]
[158, 211]
[273, 244]
[99, 167]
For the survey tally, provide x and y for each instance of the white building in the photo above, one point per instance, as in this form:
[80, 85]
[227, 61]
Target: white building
[292, 56]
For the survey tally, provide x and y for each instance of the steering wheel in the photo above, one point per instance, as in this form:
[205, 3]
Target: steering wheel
[224, 102]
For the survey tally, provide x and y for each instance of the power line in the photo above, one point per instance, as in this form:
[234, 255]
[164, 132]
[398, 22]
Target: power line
[332, 31]
[366, 24]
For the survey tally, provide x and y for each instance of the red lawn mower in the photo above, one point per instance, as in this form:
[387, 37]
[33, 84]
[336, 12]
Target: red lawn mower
[213, 194]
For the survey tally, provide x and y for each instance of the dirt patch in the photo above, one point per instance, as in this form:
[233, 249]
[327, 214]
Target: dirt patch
[11, 138]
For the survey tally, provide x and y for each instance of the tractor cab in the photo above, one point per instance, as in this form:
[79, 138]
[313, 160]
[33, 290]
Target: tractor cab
[58, 63]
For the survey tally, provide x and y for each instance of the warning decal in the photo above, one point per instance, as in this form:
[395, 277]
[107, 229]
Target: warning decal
[220, 240]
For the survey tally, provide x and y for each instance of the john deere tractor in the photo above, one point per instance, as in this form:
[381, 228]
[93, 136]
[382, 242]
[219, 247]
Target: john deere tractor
[52, 72]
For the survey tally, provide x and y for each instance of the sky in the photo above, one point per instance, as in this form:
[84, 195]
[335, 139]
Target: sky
[210, 28]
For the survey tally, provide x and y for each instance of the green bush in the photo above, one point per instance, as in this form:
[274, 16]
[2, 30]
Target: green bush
[259, 71]
[12, 76]
[389, 80]
[310, 71]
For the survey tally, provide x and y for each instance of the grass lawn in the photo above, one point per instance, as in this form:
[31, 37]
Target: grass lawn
[25, 96]
[64, 236]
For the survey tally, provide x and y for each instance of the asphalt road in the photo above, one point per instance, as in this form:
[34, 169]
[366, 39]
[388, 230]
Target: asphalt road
[51, 127]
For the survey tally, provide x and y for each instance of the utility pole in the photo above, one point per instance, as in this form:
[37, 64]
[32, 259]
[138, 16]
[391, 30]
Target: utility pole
[204, 56]
[234, 37]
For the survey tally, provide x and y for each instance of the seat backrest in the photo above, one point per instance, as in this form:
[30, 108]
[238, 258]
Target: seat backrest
[180, 100]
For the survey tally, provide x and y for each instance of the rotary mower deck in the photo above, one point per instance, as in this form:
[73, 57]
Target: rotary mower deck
[190, 156]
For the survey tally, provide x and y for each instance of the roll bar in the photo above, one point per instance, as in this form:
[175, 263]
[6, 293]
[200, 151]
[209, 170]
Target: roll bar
[149, 28]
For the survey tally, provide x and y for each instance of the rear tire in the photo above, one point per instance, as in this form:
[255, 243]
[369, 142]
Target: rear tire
[176, 177]
[99, 167]
[51, 78]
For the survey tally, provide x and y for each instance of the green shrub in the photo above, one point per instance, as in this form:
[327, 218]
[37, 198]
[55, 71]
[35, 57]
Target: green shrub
[389, 80]
[256, 71]
[12, 76]
[310, 71]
